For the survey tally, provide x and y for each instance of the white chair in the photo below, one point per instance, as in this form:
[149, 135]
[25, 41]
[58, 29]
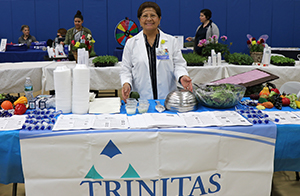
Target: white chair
[291, 87]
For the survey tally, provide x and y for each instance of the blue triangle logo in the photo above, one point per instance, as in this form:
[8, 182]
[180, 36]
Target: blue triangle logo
[130, 173]
[93, 174]
[110, 150]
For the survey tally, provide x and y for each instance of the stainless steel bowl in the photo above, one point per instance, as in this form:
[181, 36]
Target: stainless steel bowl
[181, 101]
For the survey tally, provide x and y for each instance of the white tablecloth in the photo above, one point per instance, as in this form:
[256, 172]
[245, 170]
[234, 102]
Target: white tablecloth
[12, 75]
[102, 78]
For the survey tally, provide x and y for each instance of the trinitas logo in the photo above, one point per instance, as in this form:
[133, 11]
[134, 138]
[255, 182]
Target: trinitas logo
[130, 182]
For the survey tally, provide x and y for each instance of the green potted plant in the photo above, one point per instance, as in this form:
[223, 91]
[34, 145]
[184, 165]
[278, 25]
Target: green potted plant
[212, 43]
[256, 47]
[282, 61]
[193, 59]
[239, 59]
[105, 60]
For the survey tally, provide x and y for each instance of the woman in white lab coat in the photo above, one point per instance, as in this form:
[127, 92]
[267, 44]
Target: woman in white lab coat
[152, 63]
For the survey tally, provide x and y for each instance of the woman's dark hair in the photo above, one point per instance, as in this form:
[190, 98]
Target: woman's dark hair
[78, 15]
[23, 27]
[207, 13]
[148, 4]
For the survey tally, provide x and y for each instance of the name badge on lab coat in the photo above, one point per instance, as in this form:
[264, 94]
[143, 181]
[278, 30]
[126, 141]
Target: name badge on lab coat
[162, 53]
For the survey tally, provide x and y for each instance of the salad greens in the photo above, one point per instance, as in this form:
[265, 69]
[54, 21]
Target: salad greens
[220, 95]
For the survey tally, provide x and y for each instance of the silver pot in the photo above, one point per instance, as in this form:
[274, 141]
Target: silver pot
[181, 101]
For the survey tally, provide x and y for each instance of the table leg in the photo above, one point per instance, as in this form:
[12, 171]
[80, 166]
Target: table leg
[14, 191]
[297, 176]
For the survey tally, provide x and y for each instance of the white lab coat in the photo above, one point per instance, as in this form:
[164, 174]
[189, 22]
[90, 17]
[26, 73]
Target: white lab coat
[135, 66]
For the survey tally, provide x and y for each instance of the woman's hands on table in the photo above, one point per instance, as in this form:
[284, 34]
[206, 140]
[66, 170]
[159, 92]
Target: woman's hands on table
[126, 91]
[186, 82]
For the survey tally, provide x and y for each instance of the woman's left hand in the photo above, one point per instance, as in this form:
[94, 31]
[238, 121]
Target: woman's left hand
[186, 82]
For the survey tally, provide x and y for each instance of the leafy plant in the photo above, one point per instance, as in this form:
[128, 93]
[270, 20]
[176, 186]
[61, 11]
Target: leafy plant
[193, 58]
[105, 59]
[282, 60]
[239, 59]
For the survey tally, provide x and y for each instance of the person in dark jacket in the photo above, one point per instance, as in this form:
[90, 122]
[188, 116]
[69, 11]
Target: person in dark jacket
[204, 31]
[26, 38]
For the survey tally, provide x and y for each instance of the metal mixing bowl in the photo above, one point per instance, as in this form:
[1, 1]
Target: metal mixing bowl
[181, 101]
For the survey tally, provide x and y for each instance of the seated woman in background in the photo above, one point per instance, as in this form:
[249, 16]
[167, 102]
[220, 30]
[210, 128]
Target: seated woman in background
[206, 30]
[76, 32]
[26, 38]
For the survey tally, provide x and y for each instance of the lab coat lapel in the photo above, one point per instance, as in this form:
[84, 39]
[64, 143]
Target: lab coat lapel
[142, 48]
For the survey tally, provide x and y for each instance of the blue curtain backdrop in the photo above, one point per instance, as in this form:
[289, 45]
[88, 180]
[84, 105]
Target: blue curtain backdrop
[235, 18]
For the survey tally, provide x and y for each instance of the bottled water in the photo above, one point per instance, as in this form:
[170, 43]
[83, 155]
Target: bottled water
[28, 88]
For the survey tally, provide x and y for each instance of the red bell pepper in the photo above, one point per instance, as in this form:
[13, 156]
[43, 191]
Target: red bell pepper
[275, 90]
[20, 109]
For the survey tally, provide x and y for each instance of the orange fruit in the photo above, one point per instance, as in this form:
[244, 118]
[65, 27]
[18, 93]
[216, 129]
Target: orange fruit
[7, 105]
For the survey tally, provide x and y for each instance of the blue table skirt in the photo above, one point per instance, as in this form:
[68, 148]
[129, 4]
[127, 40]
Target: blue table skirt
[21, 56]
[10, 158]
[287, 151]
[287, 148]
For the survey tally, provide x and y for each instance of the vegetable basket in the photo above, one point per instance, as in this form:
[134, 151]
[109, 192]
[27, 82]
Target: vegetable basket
[219, 95]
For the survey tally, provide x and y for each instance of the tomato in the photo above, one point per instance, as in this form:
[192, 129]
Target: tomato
[20, 109]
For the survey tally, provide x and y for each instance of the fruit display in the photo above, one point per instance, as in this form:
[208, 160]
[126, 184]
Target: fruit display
[11, 105]
[270, 97]
[8, 97]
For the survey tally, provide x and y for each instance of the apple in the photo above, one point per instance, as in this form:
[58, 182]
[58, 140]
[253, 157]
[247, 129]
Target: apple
[285, 101]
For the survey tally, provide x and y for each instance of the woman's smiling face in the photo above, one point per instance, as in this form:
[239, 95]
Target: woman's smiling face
[149, 20]
[78, 23]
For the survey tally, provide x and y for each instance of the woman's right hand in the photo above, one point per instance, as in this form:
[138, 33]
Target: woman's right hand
[126, 91]
[189, 39]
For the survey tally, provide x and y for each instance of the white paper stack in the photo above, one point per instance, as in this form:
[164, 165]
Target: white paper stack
[81, 86]
[63, 89]
[105, 105]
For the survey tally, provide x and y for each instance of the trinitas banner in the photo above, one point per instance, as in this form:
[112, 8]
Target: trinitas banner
[160, 162]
